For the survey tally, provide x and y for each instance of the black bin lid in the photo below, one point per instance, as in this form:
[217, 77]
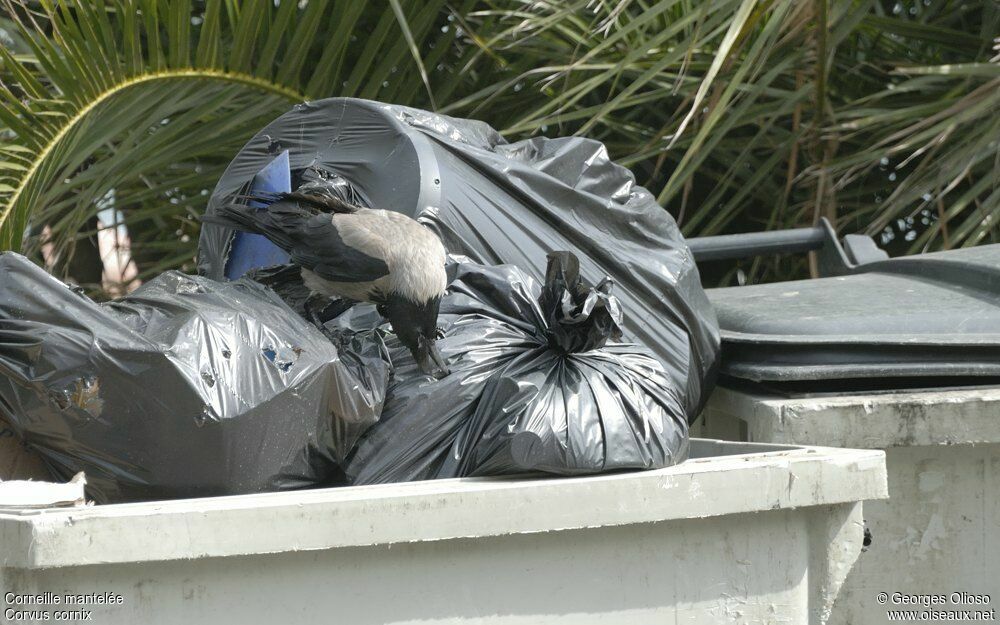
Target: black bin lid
[927, 316]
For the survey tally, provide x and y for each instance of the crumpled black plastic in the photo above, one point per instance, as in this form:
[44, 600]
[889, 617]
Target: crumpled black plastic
[185, 388]
[538, 383]
[498, 203]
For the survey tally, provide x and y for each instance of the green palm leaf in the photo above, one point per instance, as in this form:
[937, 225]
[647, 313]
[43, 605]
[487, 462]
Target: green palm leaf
[881, 115]
[151, 98]
[751, 114]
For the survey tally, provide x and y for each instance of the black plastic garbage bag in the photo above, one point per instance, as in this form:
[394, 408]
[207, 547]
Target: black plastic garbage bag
[538, 383]
[498, 203]
[185, 388]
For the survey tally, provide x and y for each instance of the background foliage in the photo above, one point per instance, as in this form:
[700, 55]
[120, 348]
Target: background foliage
[741, 115]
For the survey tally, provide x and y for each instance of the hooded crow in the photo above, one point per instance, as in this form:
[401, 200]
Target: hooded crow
[360, 254]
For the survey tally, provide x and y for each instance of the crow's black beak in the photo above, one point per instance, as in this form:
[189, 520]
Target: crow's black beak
[429, 359]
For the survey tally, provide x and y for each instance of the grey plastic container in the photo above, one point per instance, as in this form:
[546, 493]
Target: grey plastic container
[925, 316]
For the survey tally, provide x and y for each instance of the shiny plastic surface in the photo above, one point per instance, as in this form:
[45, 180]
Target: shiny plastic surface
[187, 387]
[500, 203]
[932, 317]
[538, 384]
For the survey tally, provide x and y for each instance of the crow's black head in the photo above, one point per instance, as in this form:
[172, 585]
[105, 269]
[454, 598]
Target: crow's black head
[416, 326]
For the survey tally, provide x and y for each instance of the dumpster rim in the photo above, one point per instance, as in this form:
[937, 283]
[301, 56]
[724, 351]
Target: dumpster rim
[365, 516]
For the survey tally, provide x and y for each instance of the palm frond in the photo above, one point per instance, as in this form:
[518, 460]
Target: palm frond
[746, 115]
[151, 98]
[935, 136]
[740, 115]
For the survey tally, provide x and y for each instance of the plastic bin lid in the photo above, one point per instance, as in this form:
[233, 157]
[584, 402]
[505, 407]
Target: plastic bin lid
[932, 315]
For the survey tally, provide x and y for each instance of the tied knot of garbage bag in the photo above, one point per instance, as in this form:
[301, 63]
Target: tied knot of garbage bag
[496, 202]
[580, 318]
[515, 402]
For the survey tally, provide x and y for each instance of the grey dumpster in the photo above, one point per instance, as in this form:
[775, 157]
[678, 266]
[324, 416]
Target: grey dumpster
[903, 356]
[740, 533]
[939, 532]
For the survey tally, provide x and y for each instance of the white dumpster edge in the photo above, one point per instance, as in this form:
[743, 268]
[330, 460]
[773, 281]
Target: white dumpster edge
[438, 510]
[865, 420]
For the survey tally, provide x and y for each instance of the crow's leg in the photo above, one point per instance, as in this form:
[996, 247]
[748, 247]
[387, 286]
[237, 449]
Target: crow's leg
[321, 309]
[313, 305]
[335, 309]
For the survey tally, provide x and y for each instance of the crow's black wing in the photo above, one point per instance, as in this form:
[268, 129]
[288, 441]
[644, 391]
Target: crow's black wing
[320, 248]
[320, 201]
[308, 202]
[310, 238]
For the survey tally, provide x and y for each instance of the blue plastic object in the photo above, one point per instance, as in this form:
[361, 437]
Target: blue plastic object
[252, 251]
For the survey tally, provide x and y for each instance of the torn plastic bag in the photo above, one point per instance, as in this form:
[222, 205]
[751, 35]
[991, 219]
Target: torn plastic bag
[538, 383]
[498, 203]
[185, 388]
